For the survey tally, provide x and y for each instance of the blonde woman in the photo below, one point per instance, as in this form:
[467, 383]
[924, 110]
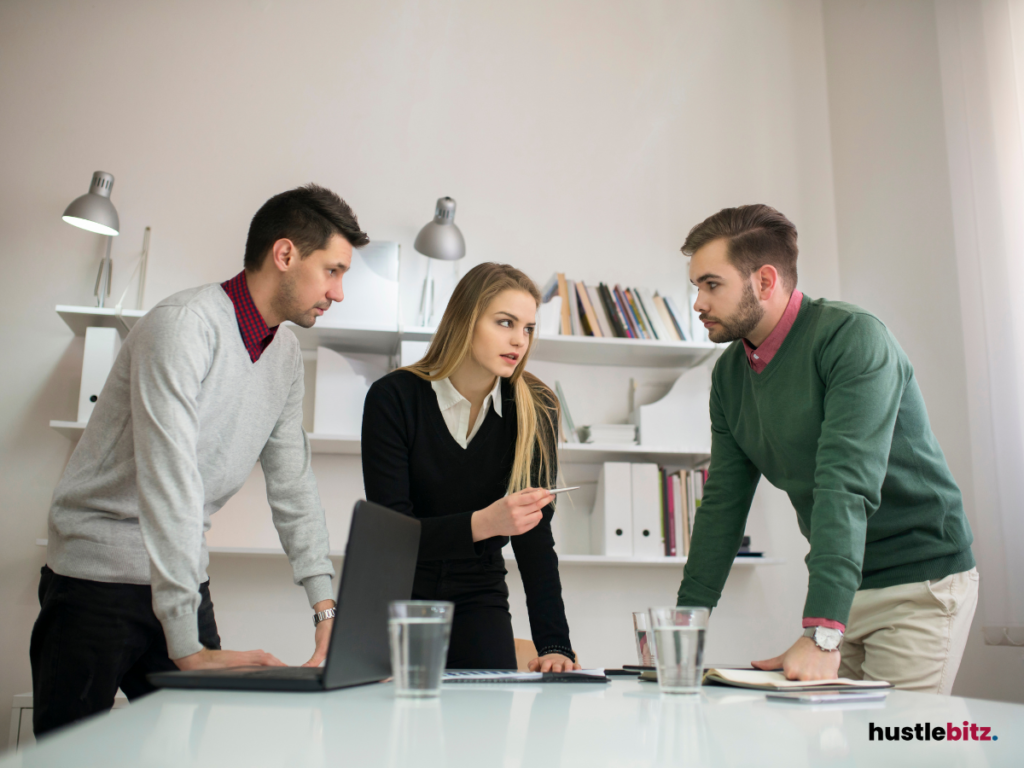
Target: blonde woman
[465, 440]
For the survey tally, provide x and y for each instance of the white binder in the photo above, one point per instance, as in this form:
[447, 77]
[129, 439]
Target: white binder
[611, 525]
[646, 492]
[102, 346]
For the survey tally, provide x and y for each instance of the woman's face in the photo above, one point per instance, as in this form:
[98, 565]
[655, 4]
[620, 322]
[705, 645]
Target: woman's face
[503, 332]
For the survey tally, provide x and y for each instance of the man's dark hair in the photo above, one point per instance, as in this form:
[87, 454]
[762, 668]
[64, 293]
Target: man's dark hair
[308, 216]
[756, 235]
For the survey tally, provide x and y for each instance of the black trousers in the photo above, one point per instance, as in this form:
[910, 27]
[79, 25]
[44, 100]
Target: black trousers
[92, 638]
[482, 625]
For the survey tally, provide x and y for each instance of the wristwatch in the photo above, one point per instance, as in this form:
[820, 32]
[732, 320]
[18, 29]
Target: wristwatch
[826, 638]
[323, 615]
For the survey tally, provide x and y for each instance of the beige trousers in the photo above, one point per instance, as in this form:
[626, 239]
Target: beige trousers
[912, 635]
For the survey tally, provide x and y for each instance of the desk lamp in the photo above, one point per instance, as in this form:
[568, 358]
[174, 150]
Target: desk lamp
[439, 239]
[94, 212]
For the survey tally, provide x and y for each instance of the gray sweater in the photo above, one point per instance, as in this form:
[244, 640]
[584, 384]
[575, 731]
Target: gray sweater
[183, 419]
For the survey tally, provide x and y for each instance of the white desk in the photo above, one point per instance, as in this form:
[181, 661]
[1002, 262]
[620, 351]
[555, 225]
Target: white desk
[626, 723]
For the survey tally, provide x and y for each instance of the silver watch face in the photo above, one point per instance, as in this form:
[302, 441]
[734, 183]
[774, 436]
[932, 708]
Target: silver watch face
[827, 639]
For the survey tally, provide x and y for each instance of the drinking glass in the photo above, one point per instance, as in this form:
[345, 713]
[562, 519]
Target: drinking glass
[419, 631]
[679, 638]
[645, 653]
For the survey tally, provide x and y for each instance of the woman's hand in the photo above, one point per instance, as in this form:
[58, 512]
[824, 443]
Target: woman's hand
[511, 516]
[552, 662]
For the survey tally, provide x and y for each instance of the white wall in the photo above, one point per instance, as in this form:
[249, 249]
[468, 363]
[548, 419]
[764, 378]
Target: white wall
[583, 136]
[897, 251]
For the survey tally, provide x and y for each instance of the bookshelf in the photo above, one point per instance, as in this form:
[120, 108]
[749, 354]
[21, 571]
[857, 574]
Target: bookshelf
[576, 350]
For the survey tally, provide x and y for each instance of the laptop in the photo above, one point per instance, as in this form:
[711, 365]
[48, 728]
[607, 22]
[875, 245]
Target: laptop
[379, 566]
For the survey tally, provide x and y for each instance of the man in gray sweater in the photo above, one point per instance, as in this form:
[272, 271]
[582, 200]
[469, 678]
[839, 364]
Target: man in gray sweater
[206, 384]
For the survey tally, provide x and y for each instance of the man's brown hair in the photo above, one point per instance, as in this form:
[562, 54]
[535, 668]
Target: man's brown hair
[308, 216]
[756, 235]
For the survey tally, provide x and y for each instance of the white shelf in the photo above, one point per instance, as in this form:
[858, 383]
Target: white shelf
[72, 430]
[596, 453]
[570, 453]
[80, 318]
[374, 341]
[678, 562]
[647, 353]
[384, 340]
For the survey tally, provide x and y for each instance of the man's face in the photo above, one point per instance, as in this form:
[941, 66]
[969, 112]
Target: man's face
[726, 301]
[310, 285]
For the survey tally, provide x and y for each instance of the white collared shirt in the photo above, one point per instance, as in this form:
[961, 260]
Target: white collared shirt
[455, 409]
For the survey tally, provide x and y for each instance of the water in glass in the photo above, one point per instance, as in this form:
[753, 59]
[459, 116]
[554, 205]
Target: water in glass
[680, 658]
[419, 646]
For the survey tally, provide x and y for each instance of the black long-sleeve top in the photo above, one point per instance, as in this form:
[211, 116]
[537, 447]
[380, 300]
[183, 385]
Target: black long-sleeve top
[413, 465]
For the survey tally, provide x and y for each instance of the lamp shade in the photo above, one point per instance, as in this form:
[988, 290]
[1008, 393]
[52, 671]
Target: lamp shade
[441, 239]
[94, 211]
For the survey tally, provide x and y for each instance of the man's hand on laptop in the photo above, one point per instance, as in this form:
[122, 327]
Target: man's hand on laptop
[210, 659]
[323, 635]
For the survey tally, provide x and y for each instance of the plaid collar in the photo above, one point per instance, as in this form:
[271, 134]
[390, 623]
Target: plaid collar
[255, 334]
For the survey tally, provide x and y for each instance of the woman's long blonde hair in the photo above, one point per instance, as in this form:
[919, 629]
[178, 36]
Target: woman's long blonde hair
[536, 405]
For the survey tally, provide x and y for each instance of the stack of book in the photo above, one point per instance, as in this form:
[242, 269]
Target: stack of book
[609, 434]
[681, 493]
[606, 312]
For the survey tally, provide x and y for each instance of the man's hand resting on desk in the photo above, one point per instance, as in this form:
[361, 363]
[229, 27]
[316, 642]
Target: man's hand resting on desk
[552, 662]
[323, 635]
[804, 661]
[209, 659]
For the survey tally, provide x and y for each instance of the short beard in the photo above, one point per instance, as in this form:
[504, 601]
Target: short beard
[748, 314]
[286, 303]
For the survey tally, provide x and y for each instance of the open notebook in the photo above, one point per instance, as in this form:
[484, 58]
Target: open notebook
[776, 681]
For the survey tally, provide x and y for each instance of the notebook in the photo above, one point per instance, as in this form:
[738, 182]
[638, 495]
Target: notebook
[512, 676]
[776, 681]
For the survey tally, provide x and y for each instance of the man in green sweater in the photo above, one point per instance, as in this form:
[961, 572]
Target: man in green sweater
[818, 397]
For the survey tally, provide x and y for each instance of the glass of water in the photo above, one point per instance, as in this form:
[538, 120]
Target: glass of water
[419, 632]
[679, 638]
[644, 639]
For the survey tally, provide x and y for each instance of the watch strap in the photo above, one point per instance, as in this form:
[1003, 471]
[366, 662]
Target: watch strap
[323, 615]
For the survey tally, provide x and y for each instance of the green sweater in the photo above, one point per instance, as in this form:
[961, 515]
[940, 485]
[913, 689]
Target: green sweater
[837, 421]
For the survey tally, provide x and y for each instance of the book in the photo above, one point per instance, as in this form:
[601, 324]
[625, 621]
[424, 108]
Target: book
[613, 312]
[653, 317]
[670, 514]
[666, 318]
[681, 322]
[549, 317]
[563, 291]
[588, 310]
[550, 289]
[570, 428]
[682, 516]
[585, 328]
[764, 680]
[603, 320]
[620, 299]
[574, 309]
[638, 314]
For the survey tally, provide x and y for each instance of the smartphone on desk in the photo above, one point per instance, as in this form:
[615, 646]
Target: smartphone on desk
[826, 697]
